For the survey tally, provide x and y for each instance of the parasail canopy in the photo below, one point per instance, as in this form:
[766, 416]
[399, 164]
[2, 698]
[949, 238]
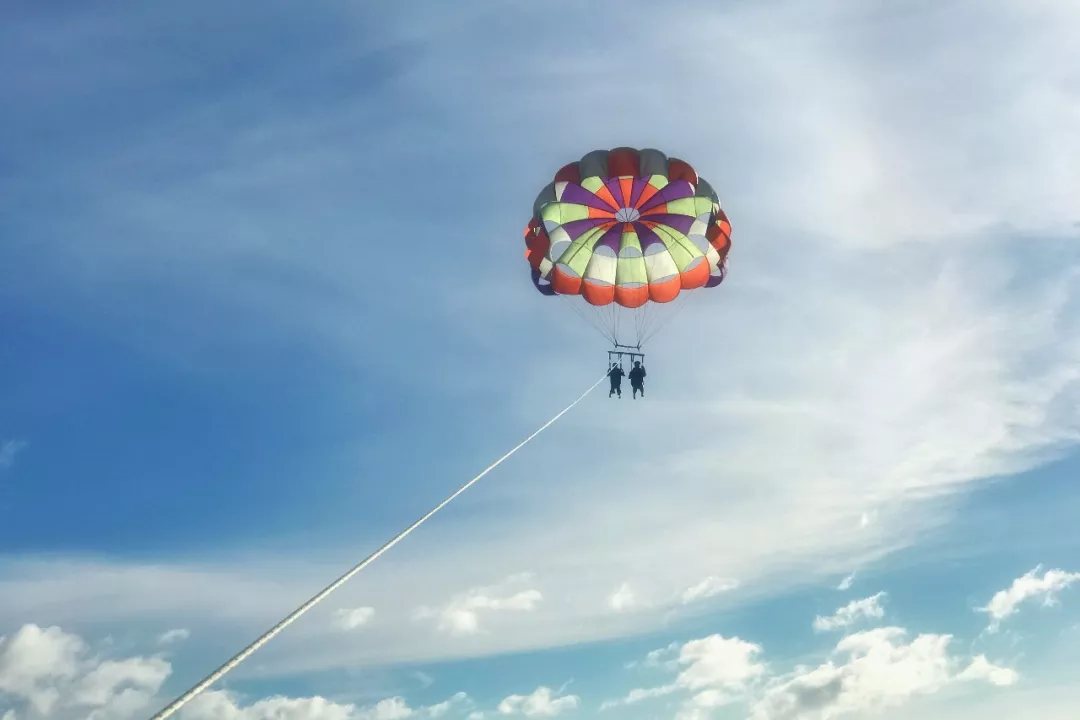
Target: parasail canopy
[627, 230]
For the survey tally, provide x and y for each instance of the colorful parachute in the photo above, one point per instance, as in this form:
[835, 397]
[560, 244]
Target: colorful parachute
[629, 229]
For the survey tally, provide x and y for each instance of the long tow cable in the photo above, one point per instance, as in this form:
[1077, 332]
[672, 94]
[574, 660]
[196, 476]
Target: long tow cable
[321, 595]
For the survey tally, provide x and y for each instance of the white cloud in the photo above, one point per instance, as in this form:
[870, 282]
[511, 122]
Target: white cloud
[35, 660]
[846, 583]
[224, 705]
[707, 588]
[461, 616]
[1027, 587]
[440, 709]
[52, 674]
[667, 657]
[622, 598]
[394, 708]
[1030, 699]
[982, 669]
[174, 636]
[701, 705]
[656, 657]
[714, 669]
[719, 663]
[851, 613]
[638, 695]
[542, 702]
[867, 672]
[873, 671]
[8, 450]
[351, 619]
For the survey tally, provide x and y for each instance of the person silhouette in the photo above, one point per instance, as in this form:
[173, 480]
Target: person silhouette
[616, 375]
[637, 379]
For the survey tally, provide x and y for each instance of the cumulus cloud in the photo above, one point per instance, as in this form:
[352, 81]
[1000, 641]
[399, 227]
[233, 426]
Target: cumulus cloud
[707, 588]
[394, 708]
[715, 670]
[846, 583]
[351, 619]
[851, 613]
[221, 704]
[716, 662]
[461, 616]
[52, 674]
[872, 671]
[1028, 586]
[866, 672]
[982, 669]
[542, 702]
[457, 700]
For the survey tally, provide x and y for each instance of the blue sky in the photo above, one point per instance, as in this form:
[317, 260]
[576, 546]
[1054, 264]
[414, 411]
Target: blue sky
[263, 302]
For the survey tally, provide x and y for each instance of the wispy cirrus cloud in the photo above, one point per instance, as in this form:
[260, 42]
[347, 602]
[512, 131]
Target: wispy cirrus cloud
[9, 449]
[354, 618]
[707, 588]
[174, 636]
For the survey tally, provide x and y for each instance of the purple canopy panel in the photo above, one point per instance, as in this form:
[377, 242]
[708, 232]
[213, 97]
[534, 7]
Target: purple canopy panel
[578, 195]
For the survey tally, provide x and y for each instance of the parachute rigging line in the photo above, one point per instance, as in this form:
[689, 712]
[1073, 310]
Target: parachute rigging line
[593, 324]
[315, 599]
[660, 325]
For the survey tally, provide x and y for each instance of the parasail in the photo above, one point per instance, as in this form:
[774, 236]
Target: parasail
[629, 231]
